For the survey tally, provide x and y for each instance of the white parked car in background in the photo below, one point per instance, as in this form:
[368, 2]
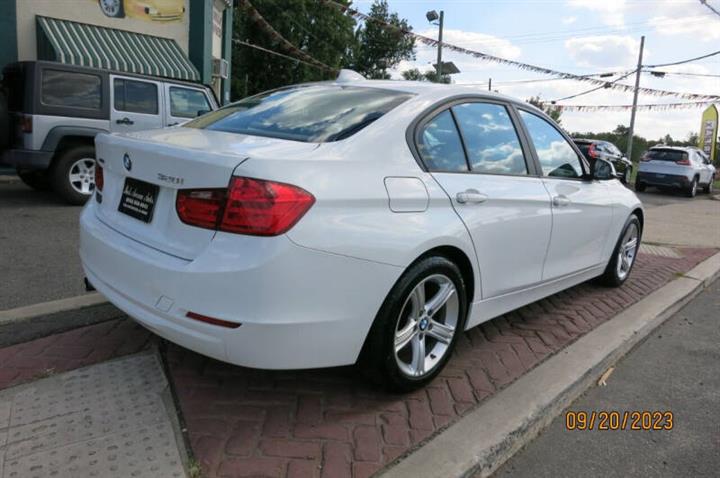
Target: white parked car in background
[328, 223]
[676, 167]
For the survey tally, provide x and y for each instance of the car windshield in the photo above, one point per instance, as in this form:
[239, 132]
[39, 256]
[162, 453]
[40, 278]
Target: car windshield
[666, 155]
[310, 113]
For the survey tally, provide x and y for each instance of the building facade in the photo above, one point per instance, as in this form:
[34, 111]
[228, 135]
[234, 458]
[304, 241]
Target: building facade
[140, 36]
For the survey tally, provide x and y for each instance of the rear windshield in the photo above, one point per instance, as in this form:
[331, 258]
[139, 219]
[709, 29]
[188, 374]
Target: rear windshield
[666, 155]
[312, 113]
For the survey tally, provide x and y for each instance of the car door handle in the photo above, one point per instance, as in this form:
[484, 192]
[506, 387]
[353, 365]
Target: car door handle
[125, 120]
[560, 201]
[471, 196]
[173, 124]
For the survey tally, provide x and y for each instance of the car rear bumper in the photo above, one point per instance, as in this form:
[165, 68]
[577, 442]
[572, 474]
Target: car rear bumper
[299, 308]
[665, 180]
[26, 158]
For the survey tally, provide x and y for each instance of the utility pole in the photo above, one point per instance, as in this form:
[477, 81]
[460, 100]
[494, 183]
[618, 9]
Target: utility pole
[631, 132]
[489, 84]
[439, 56]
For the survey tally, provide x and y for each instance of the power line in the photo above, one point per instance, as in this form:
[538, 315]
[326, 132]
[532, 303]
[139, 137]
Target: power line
[500, 60]
[681, 62]
[606, 85]
[704, 2]
[272, 52]
[678, 73]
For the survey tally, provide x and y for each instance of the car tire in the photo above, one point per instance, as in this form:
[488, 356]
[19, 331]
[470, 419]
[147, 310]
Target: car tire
[112, 8]
[37, 180]
[708, 188]
[404, 350]
[640, 187]
[624, 255]
[691, 191]
[80, 163]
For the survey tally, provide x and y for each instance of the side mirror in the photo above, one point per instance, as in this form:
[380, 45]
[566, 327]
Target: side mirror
[602, 170]
[202, 112]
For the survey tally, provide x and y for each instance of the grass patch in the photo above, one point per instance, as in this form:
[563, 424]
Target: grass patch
[194, 470]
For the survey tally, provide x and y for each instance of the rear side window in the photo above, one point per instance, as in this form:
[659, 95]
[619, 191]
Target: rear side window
[311, 113]
[492, 145]
[70, 89]
[439, 145]
[671, 155]
[187, 102]
[135, 96]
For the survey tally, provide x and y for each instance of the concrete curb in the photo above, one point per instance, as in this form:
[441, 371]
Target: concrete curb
[52, 307]
[485, 438]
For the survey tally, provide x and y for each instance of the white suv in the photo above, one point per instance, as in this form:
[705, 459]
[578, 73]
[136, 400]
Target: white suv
[676, 167]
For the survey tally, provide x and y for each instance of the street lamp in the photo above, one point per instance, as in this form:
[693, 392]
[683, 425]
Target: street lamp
[432, 16]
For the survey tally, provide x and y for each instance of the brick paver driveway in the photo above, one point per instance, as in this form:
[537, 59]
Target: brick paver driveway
[331, 423]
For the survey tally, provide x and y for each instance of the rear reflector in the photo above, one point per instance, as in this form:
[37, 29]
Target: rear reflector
[248, 206]
[26, 123]
[212, 320]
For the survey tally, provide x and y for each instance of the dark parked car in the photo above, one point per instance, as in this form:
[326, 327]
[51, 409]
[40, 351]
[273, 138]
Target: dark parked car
[595, 148]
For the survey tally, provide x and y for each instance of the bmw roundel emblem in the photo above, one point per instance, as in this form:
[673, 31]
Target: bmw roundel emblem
[127, 162]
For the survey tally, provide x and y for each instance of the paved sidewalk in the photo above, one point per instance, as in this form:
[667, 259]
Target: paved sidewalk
[676, 369]
[108, 420]
[330, 423]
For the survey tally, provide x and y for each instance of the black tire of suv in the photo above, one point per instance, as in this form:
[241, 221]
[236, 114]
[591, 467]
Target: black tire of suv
[37, 180]
[640, 187]
[377, 359]
[60, 170]
[708, 188]
[4, 123]
[691, 191]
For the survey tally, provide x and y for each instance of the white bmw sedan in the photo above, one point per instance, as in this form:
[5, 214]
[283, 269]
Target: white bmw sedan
[350, 221]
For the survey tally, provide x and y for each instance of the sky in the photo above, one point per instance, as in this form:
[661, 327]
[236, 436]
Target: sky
[580, 37]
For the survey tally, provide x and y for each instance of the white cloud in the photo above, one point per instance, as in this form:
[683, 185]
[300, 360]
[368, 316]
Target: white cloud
[699, 28]
[603, 51]
[612, 12]
[568, 20]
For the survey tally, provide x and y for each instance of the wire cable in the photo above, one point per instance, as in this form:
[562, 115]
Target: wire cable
[714, 10]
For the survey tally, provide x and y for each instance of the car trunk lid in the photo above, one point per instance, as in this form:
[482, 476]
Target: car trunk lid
[144, 171]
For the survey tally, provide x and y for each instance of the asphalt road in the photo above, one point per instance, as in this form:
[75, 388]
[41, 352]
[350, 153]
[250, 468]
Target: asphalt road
[676, 369]
[39, 240]
[38, 247]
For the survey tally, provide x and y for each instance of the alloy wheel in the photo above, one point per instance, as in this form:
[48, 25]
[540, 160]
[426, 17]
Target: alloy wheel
[111, 8]
[81, 175]
[628, 251]
[426, 326]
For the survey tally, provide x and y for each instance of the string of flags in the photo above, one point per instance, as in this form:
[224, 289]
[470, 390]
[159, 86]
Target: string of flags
[648, 107]
[523, 66]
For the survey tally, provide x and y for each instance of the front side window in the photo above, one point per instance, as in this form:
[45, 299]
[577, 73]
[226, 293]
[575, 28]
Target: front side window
[135, 96]
[491, 142]
[309, 113]
[440, 146]
[557, 158]
[187, 102]
[70, 89]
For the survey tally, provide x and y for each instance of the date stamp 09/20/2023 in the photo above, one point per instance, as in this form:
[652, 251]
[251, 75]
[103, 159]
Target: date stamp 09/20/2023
[647, 420]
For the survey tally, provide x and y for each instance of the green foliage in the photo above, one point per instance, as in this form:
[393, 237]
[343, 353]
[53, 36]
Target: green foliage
[414, 74]
[322, 31]
[378, 49]
[552, 111]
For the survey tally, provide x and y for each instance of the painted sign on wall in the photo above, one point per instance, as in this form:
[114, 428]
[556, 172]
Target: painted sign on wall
[150, 10]
[709, 132]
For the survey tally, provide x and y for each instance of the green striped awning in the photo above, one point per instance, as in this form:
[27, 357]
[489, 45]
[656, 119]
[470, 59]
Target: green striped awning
[108, 48]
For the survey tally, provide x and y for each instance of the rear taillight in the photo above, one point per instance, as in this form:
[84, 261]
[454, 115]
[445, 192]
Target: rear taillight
[200, 207]
[99, 177]
[592, 152]
[248, 206]
[683, 162]
[26, 123]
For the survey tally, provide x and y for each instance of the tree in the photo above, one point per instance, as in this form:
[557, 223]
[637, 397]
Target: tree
[377, 48]
[321, 31]
[414, 74]
[552, 111]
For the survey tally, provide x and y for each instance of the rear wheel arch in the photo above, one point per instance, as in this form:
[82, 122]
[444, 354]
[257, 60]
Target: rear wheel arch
[457, 256]
[641, 217]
